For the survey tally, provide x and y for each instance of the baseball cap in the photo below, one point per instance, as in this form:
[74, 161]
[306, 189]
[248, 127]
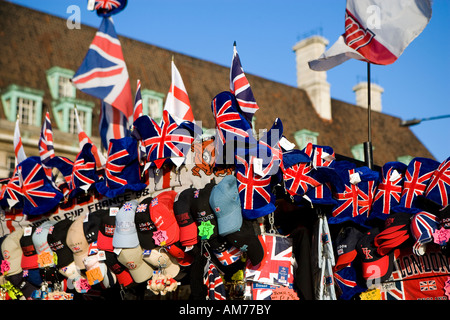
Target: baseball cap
[40, 242]
[182, 210]
[247, 241]
[106, 231]
[226, 205]
[12, 251]
[122, 274]
[56, 239]
[76, 241]
[91, 225]
[158, 257]
[144, 224]
[374, 266]
[132, 259]
[346, 242]
[125, 233]
[29, 258]
[22, 284]
[203, 213]
[162, 215]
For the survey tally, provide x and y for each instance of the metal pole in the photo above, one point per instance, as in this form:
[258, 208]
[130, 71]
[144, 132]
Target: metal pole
[368, 144]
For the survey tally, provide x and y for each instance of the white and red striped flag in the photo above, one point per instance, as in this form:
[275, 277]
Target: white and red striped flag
[138, 111]
[177, 102]
[18, 146]
[376, 31]
[83, 138]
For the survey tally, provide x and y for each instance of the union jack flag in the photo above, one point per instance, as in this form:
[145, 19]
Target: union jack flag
[39, 194]
[438, 189]
[417, 177]
[154, 202]
[253, 189]
[270, 143]
[141, 208]
[46, 150]
[347, 206]
[12, 192]
[276, 267]
[228, 256]
[393, 290]
[107, 7]
[115, 165]
[93, 248]
[388, 192]
[138, 111]
[84, 169]
[240, 87]
[428, 285]
[127, 206]
[423, 225]
[229, 122]
[298, 179]
[213, 281]
[103, 72]
[165, 141]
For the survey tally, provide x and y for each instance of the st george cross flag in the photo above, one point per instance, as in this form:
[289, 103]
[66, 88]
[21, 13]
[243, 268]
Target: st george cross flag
[376, 31]
[177, 101]
[46, 150]
[18, 146]
[103, 74]
[240, 87]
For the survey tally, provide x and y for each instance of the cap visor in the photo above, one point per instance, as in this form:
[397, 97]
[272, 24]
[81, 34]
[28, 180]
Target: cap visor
[344, 259]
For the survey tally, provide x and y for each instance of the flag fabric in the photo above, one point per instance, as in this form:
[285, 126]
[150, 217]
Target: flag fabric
[177, 101]
[83, 139]
[138, 111]
[84, 170]
[113, 124]
[105, 8]
[276, 267]
[46, 149]
[255, 193]
[213, 281]
[240, 87]
[416, 179]
[438, 190]
[39, 194]
[168, 140]
[103, 72]
[228, 256]
[18, 146]
[12, 195]
[376, 31]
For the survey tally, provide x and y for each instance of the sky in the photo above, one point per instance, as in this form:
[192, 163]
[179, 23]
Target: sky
[415, 86]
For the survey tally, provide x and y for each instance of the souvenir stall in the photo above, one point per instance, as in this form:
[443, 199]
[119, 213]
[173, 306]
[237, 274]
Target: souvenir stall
[167, 213]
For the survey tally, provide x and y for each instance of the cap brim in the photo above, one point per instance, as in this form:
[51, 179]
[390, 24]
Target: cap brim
[104, 242]
[130, 240]
[29, 262]
[141, 273]
[345, 259]
[378, 269]
[246, 240]
[230, 223]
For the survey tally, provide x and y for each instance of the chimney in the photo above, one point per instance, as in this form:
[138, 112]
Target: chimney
[360, 91]
[313, 82]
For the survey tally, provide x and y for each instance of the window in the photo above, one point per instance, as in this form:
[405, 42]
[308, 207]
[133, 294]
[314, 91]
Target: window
[72, 125]
[64, 114]
[59, 83]
[10, 165]
[305, 136]
[406, 159]
[152, 104]
[358, 152]
[24, 103]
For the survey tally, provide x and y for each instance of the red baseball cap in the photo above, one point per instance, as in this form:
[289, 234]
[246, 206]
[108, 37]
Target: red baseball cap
[162, 215]
[182, 210]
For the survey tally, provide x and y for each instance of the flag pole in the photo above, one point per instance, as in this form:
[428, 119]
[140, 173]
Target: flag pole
[368, 156]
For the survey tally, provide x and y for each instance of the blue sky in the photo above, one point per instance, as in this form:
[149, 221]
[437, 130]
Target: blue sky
[415, 86]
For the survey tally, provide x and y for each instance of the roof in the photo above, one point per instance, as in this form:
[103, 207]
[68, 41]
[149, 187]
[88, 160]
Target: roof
[33, 42]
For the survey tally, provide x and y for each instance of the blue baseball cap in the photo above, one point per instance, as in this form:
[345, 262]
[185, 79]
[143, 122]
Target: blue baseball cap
[125, 233]
[226, 205]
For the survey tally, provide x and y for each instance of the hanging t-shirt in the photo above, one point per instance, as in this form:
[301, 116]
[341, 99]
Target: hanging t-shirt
[418, 277]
